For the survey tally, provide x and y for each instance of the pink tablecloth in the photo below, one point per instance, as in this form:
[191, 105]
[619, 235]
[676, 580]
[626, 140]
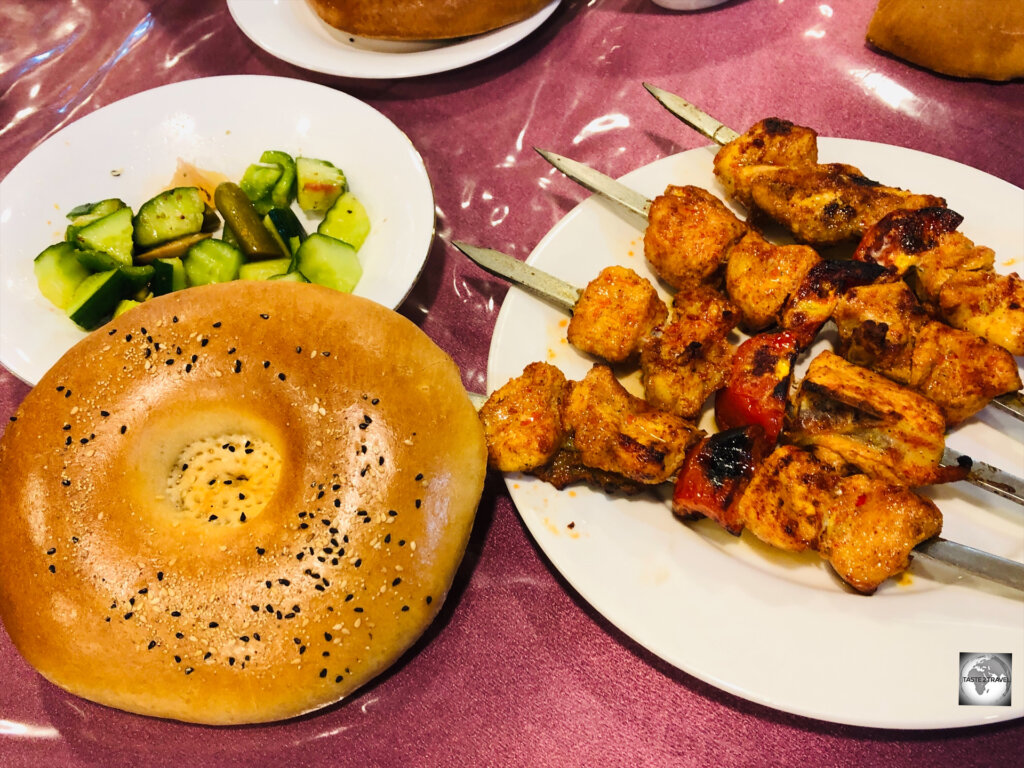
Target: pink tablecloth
[518, 670]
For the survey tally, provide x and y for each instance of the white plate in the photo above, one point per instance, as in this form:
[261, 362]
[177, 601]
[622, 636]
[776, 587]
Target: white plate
[221, 124]
[776, 628]
[291, 31]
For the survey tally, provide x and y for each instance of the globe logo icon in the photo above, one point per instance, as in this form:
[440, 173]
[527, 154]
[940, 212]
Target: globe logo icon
[985, 679]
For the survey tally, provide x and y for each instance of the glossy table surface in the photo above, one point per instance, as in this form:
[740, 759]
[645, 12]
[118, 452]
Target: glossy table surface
[518, 670]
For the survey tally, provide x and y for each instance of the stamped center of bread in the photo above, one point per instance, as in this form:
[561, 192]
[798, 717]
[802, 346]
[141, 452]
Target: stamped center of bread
[226, 479]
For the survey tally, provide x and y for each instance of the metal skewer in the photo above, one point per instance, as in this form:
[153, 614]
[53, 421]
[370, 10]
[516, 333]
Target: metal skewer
[614, 190]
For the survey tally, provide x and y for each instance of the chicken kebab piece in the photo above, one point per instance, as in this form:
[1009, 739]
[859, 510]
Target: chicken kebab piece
[952, 277]
[865, 527]
[773, 170]
[592, 430]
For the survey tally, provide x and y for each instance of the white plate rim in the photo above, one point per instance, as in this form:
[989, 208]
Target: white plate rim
[546, 512]
[393, 256]
[291, 31]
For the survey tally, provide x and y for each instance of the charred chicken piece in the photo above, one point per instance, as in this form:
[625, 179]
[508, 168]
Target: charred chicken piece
[987, 304]
[685, 361]
[716, 473]
[770, 143]
[882, 327]
[960, 372]
[871, 528]
[567, 468]
[850, 415]
[688, 235]
[760, 277]
[757, 390]
[864, 527]
[878, 325]
[787, 499]
[773, 170]
[522, 419]
[615, 431]
[616, 311]
[814, 301]
[828, 204]
[953, 278]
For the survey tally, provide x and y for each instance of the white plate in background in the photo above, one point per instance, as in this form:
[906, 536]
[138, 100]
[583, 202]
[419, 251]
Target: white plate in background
[291, 31]
[130, 150]
[776, 628]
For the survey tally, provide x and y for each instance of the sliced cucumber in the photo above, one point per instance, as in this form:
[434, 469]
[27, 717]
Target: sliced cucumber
[290, 277]
[283, 193]
[258, 182]
[81, 215]
[111, 234]
[212, 261]
[318, 184]
[171, 214]
[97, 261]
[124, 305]
[329, 262]
[285, 227]
[96, 298]
[346, 221]
[58, 273]
[168, 276]
[264, 270]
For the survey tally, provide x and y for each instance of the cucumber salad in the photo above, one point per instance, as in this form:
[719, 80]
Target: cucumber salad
[111, 259]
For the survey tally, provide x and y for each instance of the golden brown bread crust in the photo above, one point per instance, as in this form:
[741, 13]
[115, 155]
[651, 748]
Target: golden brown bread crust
[963, 38]
[117, 593]
[423, 19]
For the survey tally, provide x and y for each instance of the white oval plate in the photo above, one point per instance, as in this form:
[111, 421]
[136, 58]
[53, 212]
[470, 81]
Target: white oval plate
[220, 124]
[771, 627]
[292, 31]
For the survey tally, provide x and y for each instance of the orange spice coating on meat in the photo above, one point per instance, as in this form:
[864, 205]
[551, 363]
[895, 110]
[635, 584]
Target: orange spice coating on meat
[760, 276]
[689, 234]
[617, 432]
[615, 312]
[882, 327]
[864, 527]
[773, 170]
[769, 142]
[522, 419]
[871, 528]
[954, 278]
[687, 360]
[849, 413]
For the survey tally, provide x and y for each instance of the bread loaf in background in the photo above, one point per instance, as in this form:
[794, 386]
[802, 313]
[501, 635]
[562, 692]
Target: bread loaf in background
[423, 19]
[963, 38]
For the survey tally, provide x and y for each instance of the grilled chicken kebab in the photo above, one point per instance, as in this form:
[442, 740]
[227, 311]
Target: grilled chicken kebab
[773, 171]
[596, 432]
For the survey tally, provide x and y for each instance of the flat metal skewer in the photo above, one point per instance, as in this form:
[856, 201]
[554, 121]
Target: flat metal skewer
[696, 118]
